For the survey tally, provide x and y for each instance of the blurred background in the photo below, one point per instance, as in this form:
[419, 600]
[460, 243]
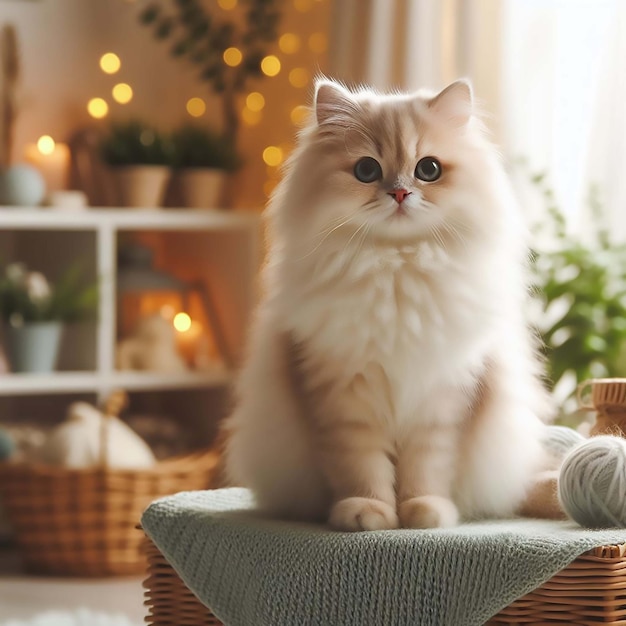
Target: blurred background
[139, 141]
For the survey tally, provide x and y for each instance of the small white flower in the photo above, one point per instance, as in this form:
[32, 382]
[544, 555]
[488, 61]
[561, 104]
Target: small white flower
[16, 273]
[37, 286]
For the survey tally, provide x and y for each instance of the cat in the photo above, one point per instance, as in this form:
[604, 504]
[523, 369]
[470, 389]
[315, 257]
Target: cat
[391, 379]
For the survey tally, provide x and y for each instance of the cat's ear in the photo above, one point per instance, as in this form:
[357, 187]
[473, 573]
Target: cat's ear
[454, 103]
[331, 101]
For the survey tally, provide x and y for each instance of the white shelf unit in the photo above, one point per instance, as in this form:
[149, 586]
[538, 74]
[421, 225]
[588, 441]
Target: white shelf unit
[219, 247]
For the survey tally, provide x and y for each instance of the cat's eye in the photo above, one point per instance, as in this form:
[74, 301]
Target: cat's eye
[428, 169]
[367, 170]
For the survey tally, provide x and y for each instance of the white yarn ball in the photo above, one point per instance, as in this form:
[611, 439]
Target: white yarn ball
[592, 483]
[559, 440]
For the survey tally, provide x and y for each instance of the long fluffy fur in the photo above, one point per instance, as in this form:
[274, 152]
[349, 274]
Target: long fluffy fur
[391, 378]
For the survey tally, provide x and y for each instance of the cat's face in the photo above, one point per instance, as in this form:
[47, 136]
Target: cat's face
[397, 167]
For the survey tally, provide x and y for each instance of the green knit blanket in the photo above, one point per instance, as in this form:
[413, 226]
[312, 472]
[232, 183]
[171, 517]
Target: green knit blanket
[254, 571]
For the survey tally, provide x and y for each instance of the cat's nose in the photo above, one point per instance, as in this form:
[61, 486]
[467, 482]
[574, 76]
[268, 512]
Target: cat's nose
[399, 194]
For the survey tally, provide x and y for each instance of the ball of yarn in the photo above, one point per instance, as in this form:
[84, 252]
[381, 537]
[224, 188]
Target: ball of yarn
[7, 445]
[559, 440]
[592, 483]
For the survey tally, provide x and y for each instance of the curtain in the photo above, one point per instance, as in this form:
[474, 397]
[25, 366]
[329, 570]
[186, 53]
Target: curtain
[563, 94]
[409, 44]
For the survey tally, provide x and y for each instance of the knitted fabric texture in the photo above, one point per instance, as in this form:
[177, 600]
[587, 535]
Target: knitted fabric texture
[252, 571]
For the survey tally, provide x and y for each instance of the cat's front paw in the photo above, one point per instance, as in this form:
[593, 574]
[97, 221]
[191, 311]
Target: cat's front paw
[356, 514]
[428, 512]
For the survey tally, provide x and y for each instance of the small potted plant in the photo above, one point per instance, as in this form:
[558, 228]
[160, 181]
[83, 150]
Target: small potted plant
[33, 313]
[203, 160]
[140, 158]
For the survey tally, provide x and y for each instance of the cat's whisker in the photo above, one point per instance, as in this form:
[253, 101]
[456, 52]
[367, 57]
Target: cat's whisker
[354, 234]
[337, 222]
[455, 232]
[371, 204]
[364, 229]
[364, 238]
[436, 234]
[327, 233]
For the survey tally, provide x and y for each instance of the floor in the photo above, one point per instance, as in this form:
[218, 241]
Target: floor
[25, 597]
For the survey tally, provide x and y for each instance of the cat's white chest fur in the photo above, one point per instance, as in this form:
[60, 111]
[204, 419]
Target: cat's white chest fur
[403, 319]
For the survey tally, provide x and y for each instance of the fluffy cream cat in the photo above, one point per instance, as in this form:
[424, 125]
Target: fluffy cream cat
[391, 379]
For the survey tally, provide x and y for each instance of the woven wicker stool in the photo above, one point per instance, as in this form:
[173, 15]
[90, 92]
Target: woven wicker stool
[591, 590]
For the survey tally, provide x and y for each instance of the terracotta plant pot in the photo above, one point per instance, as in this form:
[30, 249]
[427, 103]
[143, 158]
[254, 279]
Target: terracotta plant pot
[201, 187]
[141, 185]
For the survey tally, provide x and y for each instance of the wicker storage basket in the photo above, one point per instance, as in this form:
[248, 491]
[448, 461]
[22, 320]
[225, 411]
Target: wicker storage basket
[168, 599]
[591, 590]
[82, 522]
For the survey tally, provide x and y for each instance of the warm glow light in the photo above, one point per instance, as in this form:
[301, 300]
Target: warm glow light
[289, 43]
[227, 5]
[318, 42]
[299, 77]
[270, 65]
[167, 312]
[251, 118]
[97, 107]
[302, 5]
[182, 322]
[299, 114]
[269, 186]
[196, 107]
[45, 144]
[255, 101]
[273, 156]
[122, 93]
[110, 63]
[232, 56]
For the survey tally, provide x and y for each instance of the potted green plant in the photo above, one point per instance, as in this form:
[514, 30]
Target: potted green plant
[33, 313]
[203, 160]
[581, 287]
[140, 159]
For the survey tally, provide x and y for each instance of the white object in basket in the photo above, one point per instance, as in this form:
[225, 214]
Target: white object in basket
[77, 442]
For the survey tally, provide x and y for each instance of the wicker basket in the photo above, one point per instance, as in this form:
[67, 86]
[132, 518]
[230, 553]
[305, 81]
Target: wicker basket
[82, 522]
[591, 590]
[169, 600]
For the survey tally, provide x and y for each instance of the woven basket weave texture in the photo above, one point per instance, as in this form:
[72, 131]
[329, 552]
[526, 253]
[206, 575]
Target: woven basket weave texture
[591, 590]
[82, 522]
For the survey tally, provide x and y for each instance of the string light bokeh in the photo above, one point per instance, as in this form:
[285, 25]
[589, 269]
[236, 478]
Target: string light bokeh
[121, 93]
[286, 90]
[273, 107]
